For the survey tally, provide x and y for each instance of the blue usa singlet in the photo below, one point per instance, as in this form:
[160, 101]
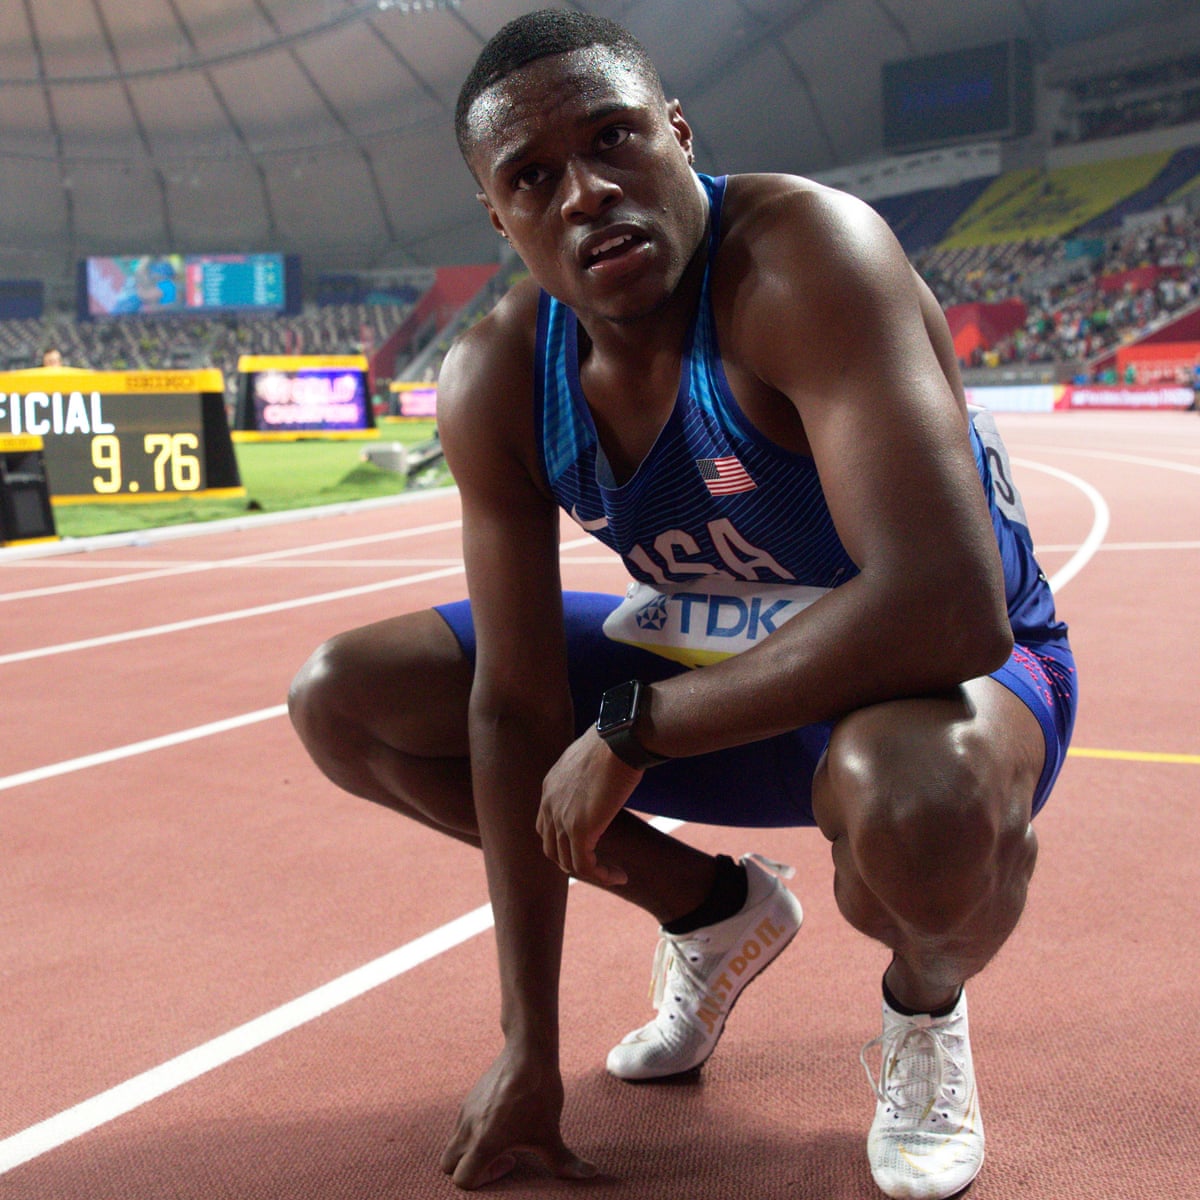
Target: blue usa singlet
[726, 534]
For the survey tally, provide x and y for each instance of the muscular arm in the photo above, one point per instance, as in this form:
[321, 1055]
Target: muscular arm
[828, 315]
[520, 721]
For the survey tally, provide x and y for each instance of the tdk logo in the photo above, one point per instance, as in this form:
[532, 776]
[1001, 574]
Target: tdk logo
[715, 616]
[699, 628]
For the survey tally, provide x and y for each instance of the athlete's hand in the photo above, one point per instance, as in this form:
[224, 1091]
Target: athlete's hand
[513, 1110]
[581, 795]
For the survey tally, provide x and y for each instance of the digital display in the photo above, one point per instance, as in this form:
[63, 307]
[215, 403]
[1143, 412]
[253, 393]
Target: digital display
[123, 435]
[176, 283]
[296, 394]
[308, 400]
[415, 399]
[983, 92]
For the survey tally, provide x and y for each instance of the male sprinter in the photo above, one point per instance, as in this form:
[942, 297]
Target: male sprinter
[742, 387]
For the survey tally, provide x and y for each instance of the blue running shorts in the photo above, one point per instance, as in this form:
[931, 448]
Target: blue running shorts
[766, 783]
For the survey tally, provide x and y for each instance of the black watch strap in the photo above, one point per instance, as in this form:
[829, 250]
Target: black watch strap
[619, 710]
[625, 745]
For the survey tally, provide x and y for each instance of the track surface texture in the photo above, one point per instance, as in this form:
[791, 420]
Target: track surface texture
[223, 979]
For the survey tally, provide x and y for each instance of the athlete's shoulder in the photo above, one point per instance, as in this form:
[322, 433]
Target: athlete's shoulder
[485, 400]
[764, 214]
[806, 279]
[500, 341]
[493, 359]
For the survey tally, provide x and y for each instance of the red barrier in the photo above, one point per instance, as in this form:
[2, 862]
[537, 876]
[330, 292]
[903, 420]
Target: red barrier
[1158, 363]
[981, 326]
[1136, 278]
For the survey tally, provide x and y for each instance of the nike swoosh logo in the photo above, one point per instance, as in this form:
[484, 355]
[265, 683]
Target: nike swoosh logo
[590, 526]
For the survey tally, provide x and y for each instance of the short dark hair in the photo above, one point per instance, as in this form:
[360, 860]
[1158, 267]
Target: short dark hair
[539, 35]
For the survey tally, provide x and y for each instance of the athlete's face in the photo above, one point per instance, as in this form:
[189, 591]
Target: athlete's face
[585, 168]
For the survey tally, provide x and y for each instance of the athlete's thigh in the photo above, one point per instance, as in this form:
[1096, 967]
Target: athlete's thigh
[405, 679]
[763, 783]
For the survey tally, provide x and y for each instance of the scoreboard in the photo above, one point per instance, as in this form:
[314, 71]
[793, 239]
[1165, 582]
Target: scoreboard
[235, 281]
[124, 435]
[189, 284]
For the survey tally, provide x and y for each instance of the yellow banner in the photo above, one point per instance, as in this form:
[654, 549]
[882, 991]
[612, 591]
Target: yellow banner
[1025, 203]
[299, 362]
[71, 379]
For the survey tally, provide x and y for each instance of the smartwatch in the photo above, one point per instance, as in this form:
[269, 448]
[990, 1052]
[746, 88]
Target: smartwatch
[619, 709]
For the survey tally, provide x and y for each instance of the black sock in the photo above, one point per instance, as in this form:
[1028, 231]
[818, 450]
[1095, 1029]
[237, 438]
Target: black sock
[727, 896]
[904, 1011]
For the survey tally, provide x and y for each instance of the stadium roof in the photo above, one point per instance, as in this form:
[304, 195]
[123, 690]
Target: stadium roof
[323, 127]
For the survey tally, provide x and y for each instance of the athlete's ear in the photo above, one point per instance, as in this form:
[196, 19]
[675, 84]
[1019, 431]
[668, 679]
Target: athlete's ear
[681, 129]
[491, 212]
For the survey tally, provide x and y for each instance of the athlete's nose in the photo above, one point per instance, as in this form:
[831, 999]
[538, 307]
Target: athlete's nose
[587, 193]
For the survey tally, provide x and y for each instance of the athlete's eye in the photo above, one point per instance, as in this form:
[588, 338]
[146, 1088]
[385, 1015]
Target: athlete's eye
[528, 178]
[613, 136]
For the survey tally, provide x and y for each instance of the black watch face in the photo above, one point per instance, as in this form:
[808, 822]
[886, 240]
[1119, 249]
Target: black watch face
[617, 707]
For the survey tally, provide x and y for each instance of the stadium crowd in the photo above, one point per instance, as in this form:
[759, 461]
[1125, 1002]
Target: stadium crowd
[153, 343]
[1082, 297]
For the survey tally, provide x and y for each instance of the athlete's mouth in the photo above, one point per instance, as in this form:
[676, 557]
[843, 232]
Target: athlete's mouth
[608, 245]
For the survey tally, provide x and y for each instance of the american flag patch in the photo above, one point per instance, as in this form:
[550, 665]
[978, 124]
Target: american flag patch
[725, 476]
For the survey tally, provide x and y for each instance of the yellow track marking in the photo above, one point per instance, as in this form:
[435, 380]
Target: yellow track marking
[1147, 756]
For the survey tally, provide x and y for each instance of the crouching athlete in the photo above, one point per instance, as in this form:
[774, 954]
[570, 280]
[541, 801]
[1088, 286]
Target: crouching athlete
[835, 617]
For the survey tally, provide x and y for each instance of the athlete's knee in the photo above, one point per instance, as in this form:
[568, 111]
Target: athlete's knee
[402, 684]
[927, 825]
[319, 689]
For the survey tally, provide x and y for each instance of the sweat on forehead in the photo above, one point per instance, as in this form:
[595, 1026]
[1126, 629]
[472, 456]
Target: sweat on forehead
[584, 79]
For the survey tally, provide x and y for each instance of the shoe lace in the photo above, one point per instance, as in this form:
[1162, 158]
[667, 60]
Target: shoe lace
[673, 968]
[916, 1063]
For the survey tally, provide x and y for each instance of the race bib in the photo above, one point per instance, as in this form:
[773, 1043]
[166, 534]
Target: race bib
[697, 627]
[1008, 499]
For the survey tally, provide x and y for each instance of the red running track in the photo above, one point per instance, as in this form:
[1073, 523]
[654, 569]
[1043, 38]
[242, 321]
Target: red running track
[222, 978]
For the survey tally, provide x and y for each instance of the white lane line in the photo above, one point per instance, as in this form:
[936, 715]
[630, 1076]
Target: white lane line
[131, 635]
[149, 1085]
[111, 639]
[192, 568]
[69, 765]
[1100, 521]
[85, 562]
[108, 1105]
[200, 529]
[1139, 460]
[397, 560]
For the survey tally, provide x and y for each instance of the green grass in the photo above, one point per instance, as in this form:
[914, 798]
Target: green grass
[276, 475]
